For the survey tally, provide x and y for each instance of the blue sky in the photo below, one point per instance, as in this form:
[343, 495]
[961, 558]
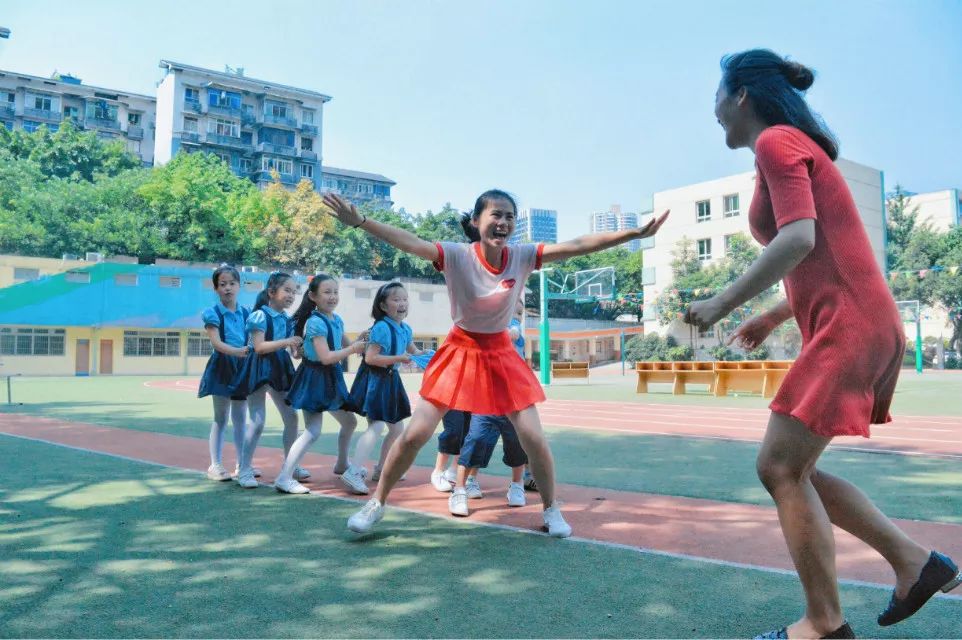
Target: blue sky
[570, 105]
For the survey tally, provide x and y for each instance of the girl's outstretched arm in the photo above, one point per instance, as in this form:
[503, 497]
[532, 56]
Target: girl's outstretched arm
[599, 241]
[399, 238]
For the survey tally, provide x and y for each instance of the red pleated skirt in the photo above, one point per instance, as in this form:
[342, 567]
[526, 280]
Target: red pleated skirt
[480, 373]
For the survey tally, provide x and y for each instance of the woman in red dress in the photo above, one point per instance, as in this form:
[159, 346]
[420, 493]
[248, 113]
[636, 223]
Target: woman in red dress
[852, 339]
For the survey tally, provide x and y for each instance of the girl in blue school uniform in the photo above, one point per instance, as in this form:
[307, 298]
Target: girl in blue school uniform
[226, 326]
[386, 403]
[268, 370]
[318, 385]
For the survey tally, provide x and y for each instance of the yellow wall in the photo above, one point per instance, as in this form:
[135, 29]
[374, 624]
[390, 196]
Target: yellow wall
[46, 267]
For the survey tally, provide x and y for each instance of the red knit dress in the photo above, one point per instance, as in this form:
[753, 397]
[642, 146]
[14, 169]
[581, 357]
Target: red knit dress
[852, 337]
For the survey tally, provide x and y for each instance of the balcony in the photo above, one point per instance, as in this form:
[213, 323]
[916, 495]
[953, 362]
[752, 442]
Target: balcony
[193, 105]
[7, 111]
[248, 119]
[284, 121]
[221, 110]
[308, 155]
[135, 132]
[281, 150]
[190, 136]
[265, 176]
[42, 114]
[225, 141]
[101, 123]
[309, 128]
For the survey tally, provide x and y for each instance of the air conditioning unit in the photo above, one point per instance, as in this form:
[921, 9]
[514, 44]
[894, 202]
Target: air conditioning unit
[92, 256]
[248, 269]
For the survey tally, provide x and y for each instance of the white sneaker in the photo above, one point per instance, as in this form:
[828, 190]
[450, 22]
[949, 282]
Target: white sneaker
[458, 502]
[217, 473]
[555, 523]
[451, 474]
[300, 473]
[473, 488]
[365, 519]
[516, 495]
[354, 481]
[257, 472]
[439, 482]
[290, 485]
[246, 479]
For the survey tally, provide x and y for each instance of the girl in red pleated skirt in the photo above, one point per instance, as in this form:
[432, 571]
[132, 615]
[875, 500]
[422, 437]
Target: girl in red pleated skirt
[476, 369]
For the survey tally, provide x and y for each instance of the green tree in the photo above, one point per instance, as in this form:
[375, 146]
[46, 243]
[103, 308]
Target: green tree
[947, 283]
[190, 198]
[69, 153]
[901, 220]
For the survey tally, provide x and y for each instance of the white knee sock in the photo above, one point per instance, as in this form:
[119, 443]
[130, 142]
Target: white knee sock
[312, 430]
[365, 444]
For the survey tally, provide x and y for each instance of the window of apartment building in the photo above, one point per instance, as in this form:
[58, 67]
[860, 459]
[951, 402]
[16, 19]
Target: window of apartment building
[277, 164]
[307, 171]
[71, 113]
[307, 144]
[191, 95]
[223, 156]
[198, 345]
[365, 188]
[9, 97]
[225, 99]
[731, 205]
[328, 183]
[151, 343]
[704, 249]
[308, 115]
[44, 103]
[703, 211]
[8, 124]
[133, 118]
[276, 109]
[223, 127]
[190, 125]
[102, 110]
[245, 165]
[30, 126]
[247, 109]
[276, 137]
[30, 341]
[247, 138]
[24, 274]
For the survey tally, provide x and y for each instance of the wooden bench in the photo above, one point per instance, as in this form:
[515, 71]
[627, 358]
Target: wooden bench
[569, 369]
[752, 376]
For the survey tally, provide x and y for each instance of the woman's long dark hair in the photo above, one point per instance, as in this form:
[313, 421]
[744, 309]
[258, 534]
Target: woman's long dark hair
[376, 311]
[483, 200]
[776, 87]
[274, 282]
[307, 305]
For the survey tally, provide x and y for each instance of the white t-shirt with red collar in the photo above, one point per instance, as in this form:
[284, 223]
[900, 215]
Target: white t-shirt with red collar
[483, 298]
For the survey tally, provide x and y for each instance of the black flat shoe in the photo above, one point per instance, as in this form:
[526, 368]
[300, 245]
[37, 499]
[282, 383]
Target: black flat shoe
[842, 633]
[939, 573]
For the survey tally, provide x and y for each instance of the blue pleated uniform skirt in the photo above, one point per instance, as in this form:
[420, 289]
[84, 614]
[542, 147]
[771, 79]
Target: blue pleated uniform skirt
[318, 387]
[219, 375]
[386, 398]
[275, 369]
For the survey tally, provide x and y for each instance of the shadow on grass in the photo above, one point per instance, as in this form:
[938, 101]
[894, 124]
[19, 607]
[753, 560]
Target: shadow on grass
[99, 547]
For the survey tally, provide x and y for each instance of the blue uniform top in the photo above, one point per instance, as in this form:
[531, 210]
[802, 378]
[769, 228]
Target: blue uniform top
[279, 320]
[235, 333]
[381, 335]
[316, 327]
[519, 343]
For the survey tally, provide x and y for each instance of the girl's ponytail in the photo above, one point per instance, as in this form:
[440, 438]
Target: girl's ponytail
[471, 231]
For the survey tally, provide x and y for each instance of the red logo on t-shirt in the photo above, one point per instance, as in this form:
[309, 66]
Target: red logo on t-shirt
[506, 284]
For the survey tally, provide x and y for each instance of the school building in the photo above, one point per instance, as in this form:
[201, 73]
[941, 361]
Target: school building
[61, 317]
